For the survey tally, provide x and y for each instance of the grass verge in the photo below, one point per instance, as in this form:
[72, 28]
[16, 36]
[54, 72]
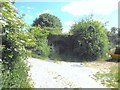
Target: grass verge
[108, 72]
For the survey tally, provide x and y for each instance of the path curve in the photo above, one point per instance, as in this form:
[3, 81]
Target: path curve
[47, 74]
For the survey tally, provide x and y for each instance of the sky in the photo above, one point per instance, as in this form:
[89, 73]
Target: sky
[71, 11]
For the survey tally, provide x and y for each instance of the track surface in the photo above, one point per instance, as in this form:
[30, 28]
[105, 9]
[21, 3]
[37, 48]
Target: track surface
[47, 74]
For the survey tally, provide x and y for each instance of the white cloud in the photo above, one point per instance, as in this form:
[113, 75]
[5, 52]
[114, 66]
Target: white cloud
[29, 9]
[86, 7]
[45, 11]
[66, 29]
[29, 16]
[67, 25]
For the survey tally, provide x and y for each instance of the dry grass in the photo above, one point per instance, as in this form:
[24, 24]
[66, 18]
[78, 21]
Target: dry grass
[100, 64]
[108, 72]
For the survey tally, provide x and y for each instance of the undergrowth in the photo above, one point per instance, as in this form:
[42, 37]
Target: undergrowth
[18, 77]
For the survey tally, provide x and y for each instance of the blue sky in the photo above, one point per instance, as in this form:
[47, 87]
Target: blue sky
[73, 11]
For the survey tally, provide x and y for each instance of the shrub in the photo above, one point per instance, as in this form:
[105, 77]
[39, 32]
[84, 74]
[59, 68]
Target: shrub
[14, 69]
[41, 48]
[18, 77]
[90, 39]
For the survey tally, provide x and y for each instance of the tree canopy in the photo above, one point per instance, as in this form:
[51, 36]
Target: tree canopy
[48, 21]
[113, 36]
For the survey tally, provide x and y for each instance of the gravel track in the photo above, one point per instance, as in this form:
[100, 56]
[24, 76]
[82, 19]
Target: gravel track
[47, 74]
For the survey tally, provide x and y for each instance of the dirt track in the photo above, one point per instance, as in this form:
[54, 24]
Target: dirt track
[47, 74]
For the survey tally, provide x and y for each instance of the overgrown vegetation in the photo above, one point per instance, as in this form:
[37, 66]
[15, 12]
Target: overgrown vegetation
[113, 37]
[91, 41]
[86, 41]
[17, 77]
[42, 27]
[14, 68]
[41, 48]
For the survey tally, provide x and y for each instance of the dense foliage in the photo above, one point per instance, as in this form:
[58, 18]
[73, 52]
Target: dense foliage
[14, 68]
[43, 27]
[91, 41]
[48, 21]
[41, 47]
[113, 37]
[87, 41]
